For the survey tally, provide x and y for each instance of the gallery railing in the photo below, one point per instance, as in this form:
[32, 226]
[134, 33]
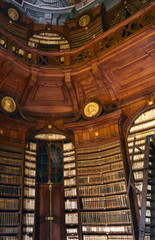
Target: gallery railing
[110, 39]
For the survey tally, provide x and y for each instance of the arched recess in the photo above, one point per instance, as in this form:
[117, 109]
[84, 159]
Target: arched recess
[49, 183]
[141, 126]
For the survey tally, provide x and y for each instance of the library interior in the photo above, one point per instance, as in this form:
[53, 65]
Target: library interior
[77, 120]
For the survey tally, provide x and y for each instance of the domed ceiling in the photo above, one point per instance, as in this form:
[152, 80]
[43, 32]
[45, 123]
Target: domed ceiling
[56, 12]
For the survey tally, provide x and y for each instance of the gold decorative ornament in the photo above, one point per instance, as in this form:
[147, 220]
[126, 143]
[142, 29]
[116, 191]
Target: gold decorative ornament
[8, 104]
[91, 109]
[84, 20]
[13, 14]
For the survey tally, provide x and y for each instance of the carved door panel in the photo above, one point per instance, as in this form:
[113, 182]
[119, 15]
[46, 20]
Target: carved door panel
[50, 212]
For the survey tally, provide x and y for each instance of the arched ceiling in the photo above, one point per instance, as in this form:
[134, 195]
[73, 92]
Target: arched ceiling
[56, 12]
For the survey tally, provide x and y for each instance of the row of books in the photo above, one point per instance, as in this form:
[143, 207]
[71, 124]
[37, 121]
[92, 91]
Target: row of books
[30, 164]
[29, 204]
[146, 116]
[27, 229]
[105, 202]
[69, 153]
[101, 169]
[72, 237]
[137, 157]
[136, 150]
[99, 161]
[138, 175]
[31, 153]
[27, 237]
[110, 217]
[10, 169]
[32, 146]
[10, 148]
[10, 179]
[69, 165]
[10, 190]
[137, 165]
[140, 135]
[99, 154]
[11, 161]
[9, 218]
[71, 204]
[10, 154]
[10, 230]
[29, 181]
[70, 192]
[98, 148]
[109, 237]
[107, 229]
[7, 203]
[110, 188]
[81, 36]
[71, 218]
[30, 172]
[70, 181]
[69, 159]
[8, 238]
[30, 157]
[142, 126]
[138, 143]
[69, 173]
[28, 219]
[102, 178]
[29, 192]
[68, 146]
[72, 230]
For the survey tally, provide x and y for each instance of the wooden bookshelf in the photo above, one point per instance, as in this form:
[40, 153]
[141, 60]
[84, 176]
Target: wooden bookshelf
[143, 126]
[29, 192]
[10, 191]
[104, 207]
[70, 191]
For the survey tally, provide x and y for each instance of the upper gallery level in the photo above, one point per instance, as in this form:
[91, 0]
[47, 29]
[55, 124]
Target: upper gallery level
[54, 71]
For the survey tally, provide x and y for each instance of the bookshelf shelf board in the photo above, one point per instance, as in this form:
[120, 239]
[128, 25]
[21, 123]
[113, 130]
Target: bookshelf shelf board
[109, 224]
[10, 184]
[71, 225]
[69, 186]
[8, 234]
[68, 177]
[71, 210]
[70, 197]
[70, 168]
[28, 210]
[9, 210]
[9, 195]
[8, 225]
[105, 233]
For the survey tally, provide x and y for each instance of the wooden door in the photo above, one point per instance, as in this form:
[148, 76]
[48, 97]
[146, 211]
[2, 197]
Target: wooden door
[50, 212]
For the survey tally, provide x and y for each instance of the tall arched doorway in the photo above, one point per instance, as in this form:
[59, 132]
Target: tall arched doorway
[44, 157]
